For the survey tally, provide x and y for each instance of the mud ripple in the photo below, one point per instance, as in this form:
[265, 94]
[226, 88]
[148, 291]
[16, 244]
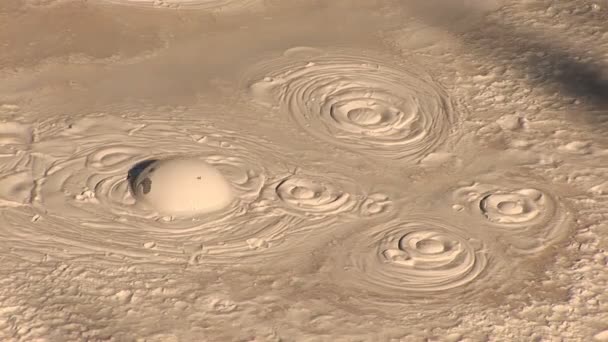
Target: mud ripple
[358, 101]
[529, 219]
[315, 196]
[408, 259]
[83, 200]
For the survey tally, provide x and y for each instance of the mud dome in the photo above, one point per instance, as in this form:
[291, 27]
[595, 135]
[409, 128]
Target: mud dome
[182, 187]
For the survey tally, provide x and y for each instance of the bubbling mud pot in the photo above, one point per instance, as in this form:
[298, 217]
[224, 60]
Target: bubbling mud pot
[319, 197]
[106, 187]
[357, 101]
[528, 219]
[411, 259]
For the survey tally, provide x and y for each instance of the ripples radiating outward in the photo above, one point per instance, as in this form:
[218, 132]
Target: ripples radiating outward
[316, 196]
[83, 203]
[358, 101]
[528, 219]
[408, 260]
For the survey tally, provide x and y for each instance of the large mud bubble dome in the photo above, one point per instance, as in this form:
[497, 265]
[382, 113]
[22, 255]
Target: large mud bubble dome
[357, 101]
[182, 187]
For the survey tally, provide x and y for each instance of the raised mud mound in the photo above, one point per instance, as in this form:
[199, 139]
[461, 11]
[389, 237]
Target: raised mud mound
[182, 187]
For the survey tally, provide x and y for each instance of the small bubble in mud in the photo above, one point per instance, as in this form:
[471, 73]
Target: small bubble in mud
[182, 187]
[310, 196]
[255, 243]
[150, 244]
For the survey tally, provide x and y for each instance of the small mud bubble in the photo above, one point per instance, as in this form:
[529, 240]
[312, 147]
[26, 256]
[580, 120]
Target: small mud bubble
[430, 246]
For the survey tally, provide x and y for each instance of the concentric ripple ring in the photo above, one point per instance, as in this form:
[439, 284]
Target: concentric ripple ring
[529, 219]
[410, 258]
[358, 101]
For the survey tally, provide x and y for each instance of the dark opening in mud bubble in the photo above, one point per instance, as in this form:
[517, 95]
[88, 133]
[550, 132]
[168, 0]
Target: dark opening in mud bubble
[136, 170]
[146, 185]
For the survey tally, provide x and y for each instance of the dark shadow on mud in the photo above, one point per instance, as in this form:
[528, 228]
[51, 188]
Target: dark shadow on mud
[552, 67]
[538, 55]
[136, 170]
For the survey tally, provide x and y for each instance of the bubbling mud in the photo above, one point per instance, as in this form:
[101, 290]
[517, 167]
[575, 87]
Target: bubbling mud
[358, 101]
[528, 219]
[97, 178]
[182, 187]
[84, 203]
[316, 197]
[311, 197]
[513, 207]
[409, 259]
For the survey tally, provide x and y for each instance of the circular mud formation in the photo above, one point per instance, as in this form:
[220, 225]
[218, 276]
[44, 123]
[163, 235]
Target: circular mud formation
[408, 260]
[317, 196]
[182, 187]
[527, 219]
[135, 193]
[357, 101]
[516, 207]
[430, 259]
[311, 197]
